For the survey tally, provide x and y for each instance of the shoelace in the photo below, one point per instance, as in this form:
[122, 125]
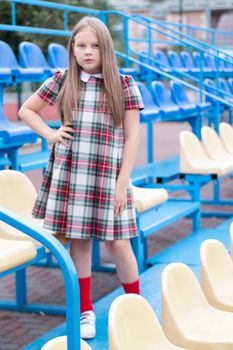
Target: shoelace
[87, 317]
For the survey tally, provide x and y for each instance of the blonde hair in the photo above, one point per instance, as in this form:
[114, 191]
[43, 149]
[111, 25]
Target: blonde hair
[70, 91]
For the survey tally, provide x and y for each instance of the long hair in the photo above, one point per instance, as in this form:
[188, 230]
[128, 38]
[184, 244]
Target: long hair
[70, 92]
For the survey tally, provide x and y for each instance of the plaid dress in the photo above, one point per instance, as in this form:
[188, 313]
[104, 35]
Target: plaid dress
[76, 197]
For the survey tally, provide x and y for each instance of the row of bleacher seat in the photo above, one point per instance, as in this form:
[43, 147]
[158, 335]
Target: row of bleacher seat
[186, 62]
[199, 163]
[174, 103]
[32, 65]
[211, 155]
[196, 317]
[193, 316]
[224, 86]
[14, 135]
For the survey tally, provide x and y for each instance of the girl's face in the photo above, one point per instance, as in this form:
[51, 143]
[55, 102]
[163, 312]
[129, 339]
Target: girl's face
[86, 51]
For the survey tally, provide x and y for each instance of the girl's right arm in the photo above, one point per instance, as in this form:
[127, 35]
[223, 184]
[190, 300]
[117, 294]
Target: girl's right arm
[29, 113]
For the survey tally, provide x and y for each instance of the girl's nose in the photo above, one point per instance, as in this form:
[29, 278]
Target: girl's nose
[88, 51]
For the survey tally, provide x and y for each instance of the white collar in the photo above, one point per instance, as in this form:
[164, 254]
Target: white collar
[86, 76]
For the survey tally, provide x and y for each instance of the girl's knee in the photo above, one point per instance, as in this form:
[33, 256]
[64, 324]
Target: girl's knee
[120, 244]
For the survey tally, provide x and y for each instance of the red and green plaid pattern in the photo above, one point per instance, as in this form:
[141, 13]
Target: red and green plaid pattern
[77, 194]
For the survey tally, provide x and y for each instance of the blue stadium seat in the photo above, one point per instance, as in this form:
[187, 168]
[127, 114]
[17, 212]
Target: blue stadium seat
[188, 62]
[223, 85]
[31, 56]
[162, 98]
[162, 61]
[9, 62]
[201, 64]
[229, 66]
[230, 82]
[143, 56]
[211, 88]
[57, 56]
[176, 62]
[212, 64]
[5, 72]
[151, 111]
[180, 97]
[14, 132]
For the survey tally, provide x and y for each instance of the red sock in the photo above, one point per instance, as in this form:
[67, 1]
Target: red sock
[133, 287]
[85, 294]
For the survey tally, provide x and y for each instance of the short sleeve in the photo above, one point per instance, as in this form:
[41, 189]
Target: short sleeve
[133, 98]
[49, 90]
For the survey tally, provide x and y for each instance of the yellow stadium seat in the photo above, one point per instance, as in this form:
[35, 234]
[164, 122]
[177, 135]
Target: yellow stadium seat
[133, 325]
[188, 319]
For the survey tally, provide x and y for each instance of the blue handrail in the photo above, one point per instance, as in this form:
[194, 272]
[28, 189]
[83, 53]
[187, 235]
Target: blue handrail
[63, 7]
[189, 38]
[191, 29]
[67, 267]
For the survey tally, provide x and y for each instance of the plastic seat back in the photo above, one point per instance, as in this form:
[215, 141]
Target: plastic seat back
[144, 58]
[7, 56]
[60, 343]
[174, 59]
[209, 61]
[212, 144]
[192, 155]
[17, 193]
[57, 56]
[146, 95]
[178, 93]
[229, 63]
[182, 300]
[211, 88]
[31, 56]
[132, 324]
[230, 82]
[187, 59]
[162, 60]
[226, 135]
[162, 95]
[198, 62]
[217, 274]
[223, 85]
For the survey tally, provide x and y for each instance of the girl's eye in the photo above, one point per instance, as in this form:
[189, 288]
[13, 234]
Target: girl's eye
[81, 45]
[96, 46]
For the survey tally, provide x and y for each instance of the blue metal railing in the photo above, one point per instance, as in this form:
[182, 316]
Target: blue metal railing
[66, 265]
[188, 39]
[209, 33]
[62, 7]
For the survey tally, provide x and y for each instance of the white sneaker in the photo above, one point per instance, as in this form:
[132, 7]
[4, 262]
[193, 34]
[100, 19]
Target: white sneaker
[87, 325]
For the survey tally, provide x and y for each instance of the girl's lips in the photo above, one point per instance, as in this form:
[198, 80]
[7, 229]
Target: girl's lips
[88, 61]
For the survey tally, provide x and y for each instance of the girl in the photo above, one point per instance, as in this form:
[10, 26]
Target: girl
[86, 192]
